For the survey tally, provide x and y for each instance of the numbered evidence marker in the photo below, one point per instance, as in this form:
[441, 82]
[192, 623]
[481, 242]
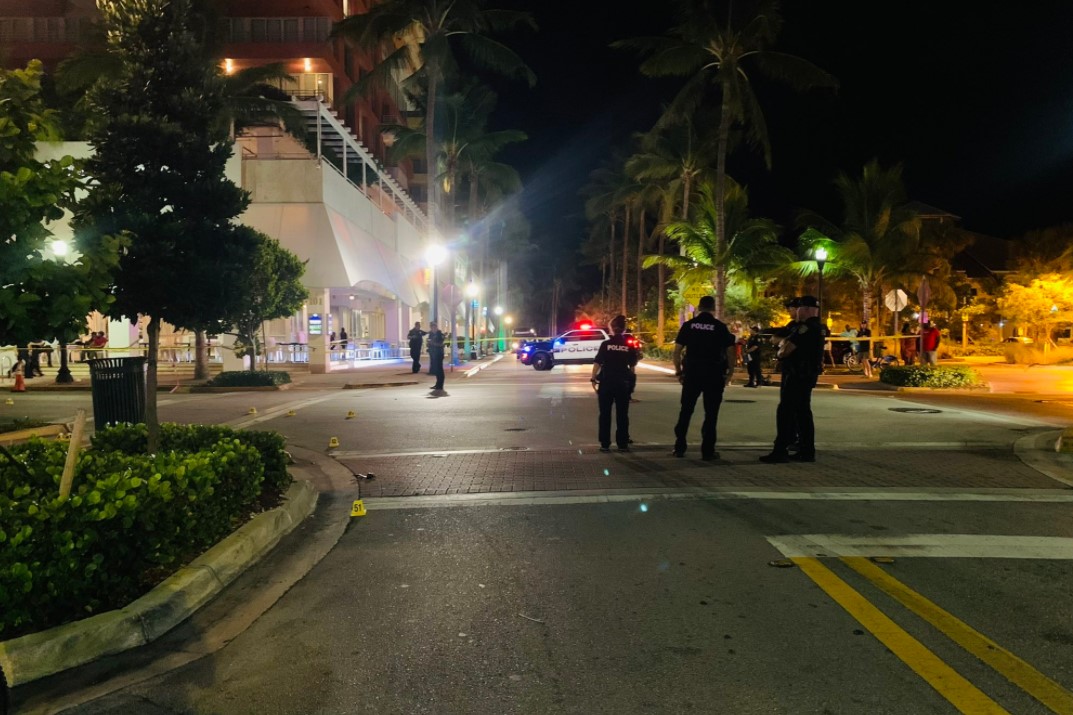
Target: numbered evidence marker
[358, 509]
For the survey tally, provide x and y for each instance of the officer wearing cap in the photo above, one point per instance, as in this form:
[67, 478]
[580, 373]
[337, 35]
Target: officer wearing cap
[800, 354]
[612, 371]
[707, 368]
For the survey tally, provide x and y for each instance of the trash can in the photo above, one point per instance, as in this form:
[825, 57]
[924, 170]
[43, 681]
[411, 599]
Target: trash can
[118, 386]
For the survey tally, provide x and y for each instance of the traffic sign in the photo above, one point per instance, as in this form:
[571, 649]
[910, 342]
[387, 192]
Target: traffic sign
[895, 300]
[693, 294]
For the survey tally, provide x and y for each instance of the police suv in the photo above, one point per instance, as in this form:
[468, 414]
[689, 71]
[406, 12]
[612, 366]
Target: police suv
[577, 346]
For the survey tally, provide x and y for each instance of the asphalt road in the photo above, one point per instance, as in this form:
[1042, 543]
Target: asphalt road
[577, 600]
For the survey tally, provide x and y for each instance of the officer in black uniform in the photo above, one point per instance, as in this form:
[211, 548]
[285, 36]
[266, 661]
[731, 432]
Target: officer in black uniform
[415, 337]
[613, 370]
[754, 348]
[708, 367]
[800, 357]
[435, 354]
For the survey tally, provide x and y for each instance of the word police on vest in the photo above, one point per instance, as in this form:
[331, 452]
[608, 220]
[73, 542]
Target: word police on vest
[619, 348]
[703, 326]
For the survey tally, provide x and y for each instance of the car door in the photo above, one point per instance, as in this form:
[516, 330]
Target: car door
[565, 346]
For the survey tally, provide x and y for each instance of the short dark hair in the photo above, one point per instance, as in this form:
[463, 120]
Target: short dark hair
[706, 303]
[618, 324]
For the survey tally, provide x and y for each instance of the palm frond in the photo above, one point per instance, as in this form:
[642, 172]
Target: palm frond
[496, 56]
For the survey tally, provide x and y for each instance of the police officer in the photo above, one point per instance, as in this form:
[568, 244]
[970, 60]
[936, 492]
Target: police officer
[436, 341]
[614, 365]
[708, 367]
[800, 355]
[415, 337]
[753, 357]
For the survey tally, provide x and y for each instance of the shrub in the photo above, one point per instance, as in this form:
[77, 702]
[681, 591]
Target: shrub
[930, 376]
[133, 439]
[655, 352]
[249, 378]
[129, 517]
[1019, 354]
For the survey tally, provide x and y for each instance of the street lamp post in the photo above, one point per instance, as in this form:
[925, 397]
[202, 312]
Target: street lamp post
[498, 310]
[63, 376]
[472, 290]
[821, 258]
[435, 254]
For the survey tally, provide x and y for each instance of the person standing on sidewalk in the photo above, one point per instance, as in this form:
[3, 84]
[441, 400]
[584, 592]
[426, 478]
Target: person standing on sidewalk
[800, 357]
[929, 343]
[708, 367]
[614, 365]
[435, 354]
[415, 338]
[753, 357]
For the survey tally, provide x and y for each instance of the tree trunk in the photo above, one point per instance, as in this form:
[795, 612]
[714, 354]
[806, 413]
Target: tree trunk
[430, 150]
[720, 200]
[625, 259]
[687, 185]
[611, 264]
[661, 296]
[640, 257]
[152, 420]
[201, 356]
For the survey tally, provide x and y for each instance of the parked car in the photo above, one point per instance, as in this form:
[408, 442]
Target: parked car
[1023, 339]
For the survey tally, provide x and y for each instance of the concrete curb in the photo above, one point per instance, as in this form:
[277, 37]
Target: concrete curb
[22, 435]
[37, 655]
[1043, 453]
[370, 385]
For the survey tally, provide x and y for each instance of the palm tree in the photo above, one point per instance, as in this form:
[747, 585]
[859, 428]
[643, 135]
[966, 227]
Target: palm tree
[752, 256]
[676, 157]
[877, 239]
[721, 54]
[424, 35]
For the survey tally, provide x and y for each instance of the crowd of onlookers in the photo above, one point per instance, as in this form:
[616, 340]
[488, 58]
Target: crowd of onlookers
[28, 359]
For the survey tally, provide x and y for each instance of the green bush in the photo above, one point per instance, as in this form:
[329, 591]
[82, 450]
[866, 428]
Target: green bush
[986, 349]
[655, 352]
[1018, 354]
[133, 439]
[130, 519]
[930, 376]
[249, 378]
[20, 423]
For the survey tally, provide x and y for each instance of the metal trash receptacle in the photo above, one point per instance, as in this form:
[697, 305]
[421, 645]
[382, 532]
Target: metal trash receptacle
[118, 386]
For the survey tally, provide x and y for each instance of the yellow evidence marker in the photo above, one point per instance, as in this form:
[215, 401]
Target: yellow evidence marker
[350, 414]
[252, 411]
[333, 442]
[290, 413]
[358, 509]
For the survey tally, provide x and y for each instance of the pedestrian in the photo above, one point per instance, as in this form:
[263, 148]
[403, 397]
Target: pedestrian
[42, 347]
[707, 368]
[415, 337]
[612, 373]
[800, 356]
[929, 340]
[908, 345]
[436, 341]
[754, 357]
[864, 349]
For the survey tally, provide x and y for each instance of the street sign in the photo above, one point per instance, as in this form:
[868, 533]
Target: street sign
[924, 292]
[693, 294]
[895, 300]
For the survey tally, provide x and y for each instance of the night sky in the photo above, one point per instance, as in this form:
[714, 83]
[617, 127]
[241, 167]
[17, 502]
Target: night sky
[975, 99]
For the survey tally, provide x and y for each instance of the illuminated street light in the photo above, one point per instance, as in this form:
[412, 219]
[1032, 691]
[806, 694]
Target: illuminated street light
[472, 291]
[59, 248]
[821, 258]
[498, 310]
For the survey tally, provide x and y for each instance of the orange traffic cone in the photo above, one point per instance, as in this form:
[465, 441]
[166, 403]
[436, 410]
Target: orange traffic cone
[20, 383]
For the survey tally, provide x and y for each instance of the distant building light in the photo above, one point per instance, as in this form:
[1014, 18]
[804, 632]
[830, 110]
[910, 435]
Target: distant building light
[229, 66]
[308, 64]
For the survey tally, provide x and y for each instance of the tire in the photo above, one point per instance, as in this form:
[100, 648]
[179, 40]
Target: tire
[849, 359]
[541, 361]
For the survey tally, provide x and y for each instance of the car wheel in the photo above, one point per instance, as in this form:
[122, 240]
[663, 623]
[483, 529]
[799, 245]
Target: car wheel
[849, 359]
[541, 361]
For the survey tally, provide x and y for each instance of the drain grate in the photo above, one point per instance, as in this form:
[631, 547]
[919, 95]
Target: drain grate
[516, 429]
[915, 410]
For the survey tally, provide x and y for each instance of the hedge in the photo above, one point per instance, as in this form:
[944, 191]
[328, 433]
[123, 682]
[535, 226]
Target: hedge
[130, 521]
[930, 376]
[249, 378]
[134, 439]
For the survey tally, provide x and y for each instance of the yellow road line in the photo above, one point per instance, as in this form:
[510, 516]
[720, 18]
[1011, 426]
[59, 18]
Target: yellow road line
[1006, 663]
[962, 694]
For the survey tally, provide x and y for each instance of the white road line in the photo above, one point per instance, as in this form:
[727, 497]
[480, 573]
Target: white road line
[534, 498]
[275, 412]
[969, 546]
[474, 370]
[656, 368]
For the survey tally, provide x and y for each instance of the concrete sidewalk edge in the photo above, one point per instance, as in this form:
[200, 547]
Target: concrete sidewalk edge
[1040, 452]
[37, 655]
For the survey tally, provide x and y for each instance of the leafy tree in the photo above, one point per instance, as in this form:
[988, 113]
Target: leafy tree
[877, 239]
[752, 256]
[42, 295]
[1039, 303]
[723, 54]
[158, 172]
[270, 288]
[426, 34]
